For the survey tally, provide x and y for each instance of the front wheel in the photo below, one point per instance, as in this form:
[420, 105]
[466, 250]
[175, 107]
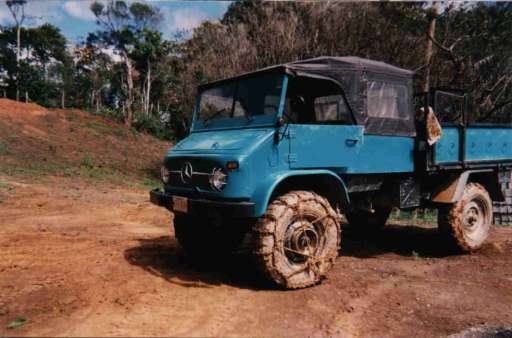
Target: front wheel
[467, 223]
[297, 240]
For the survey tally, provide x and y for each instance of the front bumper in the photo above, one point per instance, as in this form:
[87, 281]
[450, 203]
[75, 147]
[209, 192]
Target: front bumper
[201, 207]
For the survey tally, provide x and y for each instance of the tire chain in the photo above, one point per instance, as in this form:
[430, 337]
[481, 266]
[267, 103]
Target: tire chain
[269, 219]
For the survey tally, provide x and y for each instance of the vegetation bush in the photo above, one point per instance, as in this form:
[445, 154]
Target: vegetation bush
[152, 125]
[111, 114]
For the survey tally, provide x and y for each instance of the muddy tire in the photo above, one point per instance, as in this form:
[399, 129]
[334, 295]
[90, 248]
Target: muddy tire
[467, 223]
[365, 221]
[297, 240]
[200, 235]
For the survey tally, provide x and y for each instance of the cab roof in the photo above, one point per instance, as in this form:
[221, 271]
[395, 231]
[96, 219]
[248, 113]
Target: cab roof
[326, 63]
[328, 66]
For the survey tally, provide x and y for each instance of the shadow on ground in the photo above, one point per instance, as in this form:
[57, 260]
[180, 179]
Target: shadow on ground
[162, 256]
[404, 240]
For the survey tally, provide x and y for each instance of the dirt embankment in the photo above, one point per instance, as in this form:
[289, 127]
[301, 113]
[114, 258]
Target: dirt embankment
[82, 255]
[39, 141]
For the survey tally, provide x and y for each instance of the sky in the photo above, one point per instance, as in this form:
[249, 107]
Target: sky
[75, 20]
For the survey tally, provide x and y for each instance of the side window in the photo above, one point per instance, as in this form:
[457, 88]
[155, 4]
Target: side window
[331, 108]
[316, 101]
[387, 100]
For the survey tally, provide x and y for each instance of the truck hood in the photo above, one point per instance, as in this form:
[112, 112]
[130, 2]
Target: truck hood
[223, 140]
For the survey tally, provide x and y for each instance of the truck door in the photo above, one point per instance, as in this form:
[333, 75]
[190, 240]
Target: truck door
[324, 146]
[322, 131]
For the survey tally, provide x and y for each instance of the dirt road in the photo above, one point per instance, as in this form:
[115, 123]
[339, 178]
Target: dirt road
[89, 260]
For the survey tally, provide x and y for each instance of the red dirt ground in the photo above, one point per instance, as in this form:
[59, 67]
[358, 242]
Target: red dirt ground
[89, 260]
[86, 255]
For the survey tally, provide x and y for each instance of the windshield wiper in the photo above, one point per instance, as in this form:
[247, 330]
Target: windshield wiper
[217, 113]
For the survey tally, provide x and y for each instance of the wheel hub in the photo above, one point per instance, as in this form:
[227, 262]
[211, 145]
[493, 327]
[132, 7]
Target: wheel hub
[473, 216]
[301, 241]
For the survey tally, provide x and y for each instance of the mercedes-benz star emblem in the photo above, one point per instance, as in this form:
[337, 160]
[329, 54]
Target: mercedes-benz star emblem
[186, 172]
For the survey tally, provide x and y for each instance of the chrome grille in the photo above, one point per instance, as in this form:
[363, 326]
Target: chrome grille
[190, 173]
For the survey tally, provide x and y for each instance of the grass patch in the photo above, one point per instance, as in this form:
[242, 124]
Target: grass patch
[89, 169]
[50, 121]
[104, 129]
[420, 215]
[5, 186]
[72, 118]
[147, 184]
[4, 149]
[96, 172]
[18, 322]
[85, 170]
[5, 129]
[86, 162]
[38, 169]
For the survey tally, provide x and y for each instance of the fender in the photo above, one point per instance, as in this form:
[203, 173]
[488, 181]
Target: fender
[263, 193]
[452, 190]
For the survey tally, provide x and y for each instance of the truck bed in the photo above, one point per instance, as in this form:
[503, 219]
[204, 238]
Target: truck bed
[475, 145]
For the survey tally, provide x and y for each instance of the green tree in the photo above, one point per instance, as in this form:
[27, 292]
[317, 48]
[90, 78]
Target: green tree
[148, 49]
[43, 46]
[46, 44]
[120, 26]
[92, 78]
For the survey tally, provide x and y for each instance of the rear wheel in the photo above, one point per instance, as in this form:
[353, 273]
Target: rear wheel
[297, 240]
[468, 222]
[201, 235]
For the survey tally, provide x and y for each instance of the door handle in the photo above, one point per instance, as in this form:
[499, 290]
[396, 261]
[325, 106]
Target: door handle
[351, 141]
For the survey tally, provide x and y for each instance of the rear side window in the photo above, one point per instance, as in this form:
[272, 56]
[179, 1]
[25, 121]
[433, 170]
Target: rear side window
[387, 100]
[331, 108]
[388, 107]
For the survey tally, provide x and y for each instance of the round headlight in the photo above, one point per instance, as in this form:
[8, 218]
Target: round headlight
[164, 172]
[218, 179]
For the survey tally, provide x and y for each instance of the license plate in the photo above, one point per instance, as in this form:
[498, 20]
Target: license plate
[180, 204]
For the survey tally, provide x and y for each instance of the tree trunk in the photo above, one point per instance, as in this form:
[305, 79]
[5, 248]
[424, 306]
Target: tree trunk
[128, 119]
[148, 89]
[18, 58]
[63, 99]
[429, 50]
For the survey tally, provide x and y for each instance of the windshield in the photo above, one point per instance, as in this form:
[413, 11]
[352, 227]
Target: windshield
[242, 102]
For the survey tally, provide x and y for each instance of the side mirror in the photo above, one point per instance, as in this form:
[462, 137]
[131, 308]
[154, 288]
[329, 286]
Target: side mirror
[297, 102]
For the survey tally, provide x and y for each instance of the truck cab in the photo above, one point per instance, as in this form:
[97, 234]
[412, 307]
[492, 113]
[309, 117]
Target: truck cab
[282, 153]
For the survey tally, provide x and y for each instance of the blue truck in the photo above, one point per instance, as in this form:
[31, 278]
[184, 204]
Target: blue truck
[288, 152]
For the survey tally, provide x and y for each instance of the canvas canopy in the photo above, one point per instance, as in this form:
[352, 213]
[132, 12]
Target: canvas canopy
[379, 95]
